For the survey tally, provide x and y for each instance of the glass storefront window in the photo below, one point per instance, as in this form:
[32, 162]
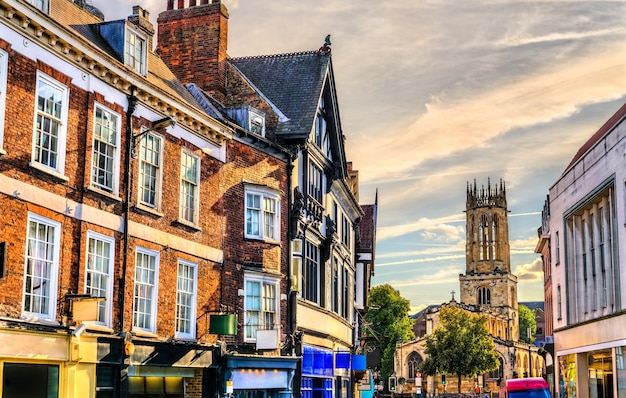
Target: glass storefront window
[621, 371]
[567, 376]
[600, 374]
[30, 380]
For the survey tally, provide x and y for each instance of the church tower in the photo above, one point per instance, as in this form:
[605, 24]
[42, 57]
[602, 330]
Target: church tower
[488, 282]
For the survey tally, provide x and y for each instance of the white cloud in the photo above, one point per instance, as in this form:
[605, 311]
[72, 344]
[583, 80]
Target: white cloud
[532, 272]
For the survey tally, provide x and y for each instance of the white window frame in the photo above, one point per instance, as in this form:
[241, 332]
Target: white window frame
[256, 122]
[114, 157]
[262, 310]
[158, 168]
[43, 5]
[105, 306]
[146, 289]
[183, 280]
[259, 215]
[193, 205]
[136, 58]
[48, 311]
[60, 120]
[4, 67]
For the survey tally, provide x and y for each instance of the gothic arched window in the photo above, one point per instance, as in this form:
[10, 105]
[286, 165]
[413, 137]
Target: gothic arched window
[413, 361]
[483, 231]
[495, 238]
[484, 296]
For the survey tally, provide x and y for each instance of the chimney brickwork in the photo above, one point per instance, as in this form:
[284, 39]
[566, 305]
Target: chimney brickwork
[192, 41]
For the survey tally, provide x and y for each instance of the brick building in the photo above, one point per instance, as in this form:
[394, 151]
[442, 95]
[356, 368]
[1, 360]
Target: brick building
[290, 100]
[173, 226]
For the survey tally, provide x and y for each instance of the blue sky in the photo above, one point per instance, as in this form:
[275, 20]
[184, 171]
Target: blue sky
[436, 93]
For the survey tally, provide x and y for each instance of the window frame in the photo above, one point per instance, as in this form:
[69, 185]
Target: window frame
[256, 119]
[263, 281]
[4, 71]
[158, 179]
[42, 5]
[315, 186]
[191, 335]
[264, 194]
[115, 159]
[182, 208]
[153, 293]
[141, 67]
[50, 311]
[61, 120]
[311, 269]
[107, 304]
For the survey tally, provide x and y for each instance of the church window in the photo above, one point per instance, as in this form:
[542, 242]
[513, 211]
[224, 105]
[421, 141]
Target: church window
[495, 238]
[484, 296]
[413, 361]
[483, 237]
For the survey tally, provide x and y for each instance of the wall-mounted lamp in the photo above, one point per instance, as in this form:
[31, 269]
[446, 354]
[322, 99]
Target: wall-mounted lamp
[156, 125]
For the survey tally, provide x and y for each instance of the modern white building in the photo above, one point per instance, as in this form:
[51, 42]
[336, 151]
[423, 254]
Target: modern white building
[588, 253]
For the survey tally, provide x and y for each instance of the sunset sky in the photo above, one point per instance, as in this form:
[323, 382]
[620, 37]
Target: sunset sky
[436, 93]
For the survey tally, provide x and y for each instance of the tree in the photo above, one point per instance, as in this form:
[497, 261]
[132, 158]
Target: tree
[526, 318]
[460, 346]
[387, 321]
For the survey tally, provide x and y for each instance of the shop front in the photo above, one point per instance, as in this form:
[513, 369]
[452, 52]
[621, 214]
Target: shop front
[590, 360]
[257, 376]
[169, 369]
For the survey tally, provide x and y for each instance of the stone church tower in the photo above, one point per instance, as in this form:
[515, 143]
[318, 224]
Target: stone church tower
[488, 281]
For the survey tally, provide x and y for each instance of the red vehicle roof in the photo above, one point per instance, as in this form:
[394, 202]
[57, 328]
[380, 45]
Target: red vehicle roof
[526, 384]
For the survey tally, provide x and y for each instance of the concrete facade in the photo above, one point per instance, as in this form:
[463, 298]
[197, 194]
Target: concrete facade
[587, 250]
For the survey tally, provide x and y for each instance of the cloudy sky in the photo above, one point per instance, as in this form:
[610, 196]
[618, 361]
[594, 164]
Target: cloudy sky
[436, 93]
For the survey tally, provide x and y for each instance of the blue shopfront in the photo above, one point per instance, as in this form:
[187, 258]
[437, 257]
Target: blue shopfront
[327, 374]
[256, 376]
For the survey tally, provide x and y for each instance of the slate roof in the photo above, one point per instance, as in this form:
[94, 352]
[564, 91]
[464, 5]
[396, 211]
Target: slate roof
[293, 82]
[367, 228]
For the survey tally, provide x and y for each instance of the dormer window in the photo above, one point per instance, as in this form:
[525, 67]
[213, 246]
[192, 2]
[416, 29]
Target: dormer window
[256, 122]
[135, 51]
[43, 5]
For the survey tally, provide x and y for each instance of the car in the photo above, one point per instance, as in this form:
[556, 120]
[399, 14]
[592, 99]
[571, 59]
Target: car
[530, 387]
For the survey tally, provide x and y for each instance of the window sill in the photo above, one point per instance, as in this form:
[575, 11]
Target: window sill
[257, 239]
[188, 224]
[99, 191]
[148, 209]
[51, 172]
[143, 333]
[187, 339]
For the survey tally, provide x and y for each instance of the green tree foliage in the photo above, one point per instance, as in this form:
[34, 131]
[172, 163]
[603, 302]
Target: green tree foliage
[387, 321]
[527, 320]
[460, 346]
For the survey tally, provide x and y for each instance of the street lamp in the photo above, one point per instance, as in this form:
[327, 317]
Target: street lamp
[156, 125]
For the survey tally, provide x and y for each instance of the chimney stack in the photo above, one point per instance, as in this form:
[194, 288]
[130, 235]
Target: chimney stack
[192, 41]
[141, 19]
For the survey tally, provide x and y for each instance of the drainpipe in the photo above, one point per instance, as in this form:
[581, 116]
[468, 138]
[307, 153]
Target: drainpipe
[132, 104]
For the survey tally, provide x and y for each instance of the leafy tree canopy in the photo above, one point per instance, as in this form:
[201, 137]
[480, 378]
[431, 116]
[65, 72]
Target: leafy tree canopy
[387, 321]
[526, 318]
[460, 346]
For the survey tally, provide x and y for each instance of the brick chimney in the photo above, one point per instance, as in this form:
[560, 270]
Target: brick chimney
[192, 41]
[141, 18]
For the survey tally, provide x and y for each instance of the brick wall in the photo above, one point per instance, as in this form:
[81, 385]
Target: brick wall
[193, 43]
[247, 164]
